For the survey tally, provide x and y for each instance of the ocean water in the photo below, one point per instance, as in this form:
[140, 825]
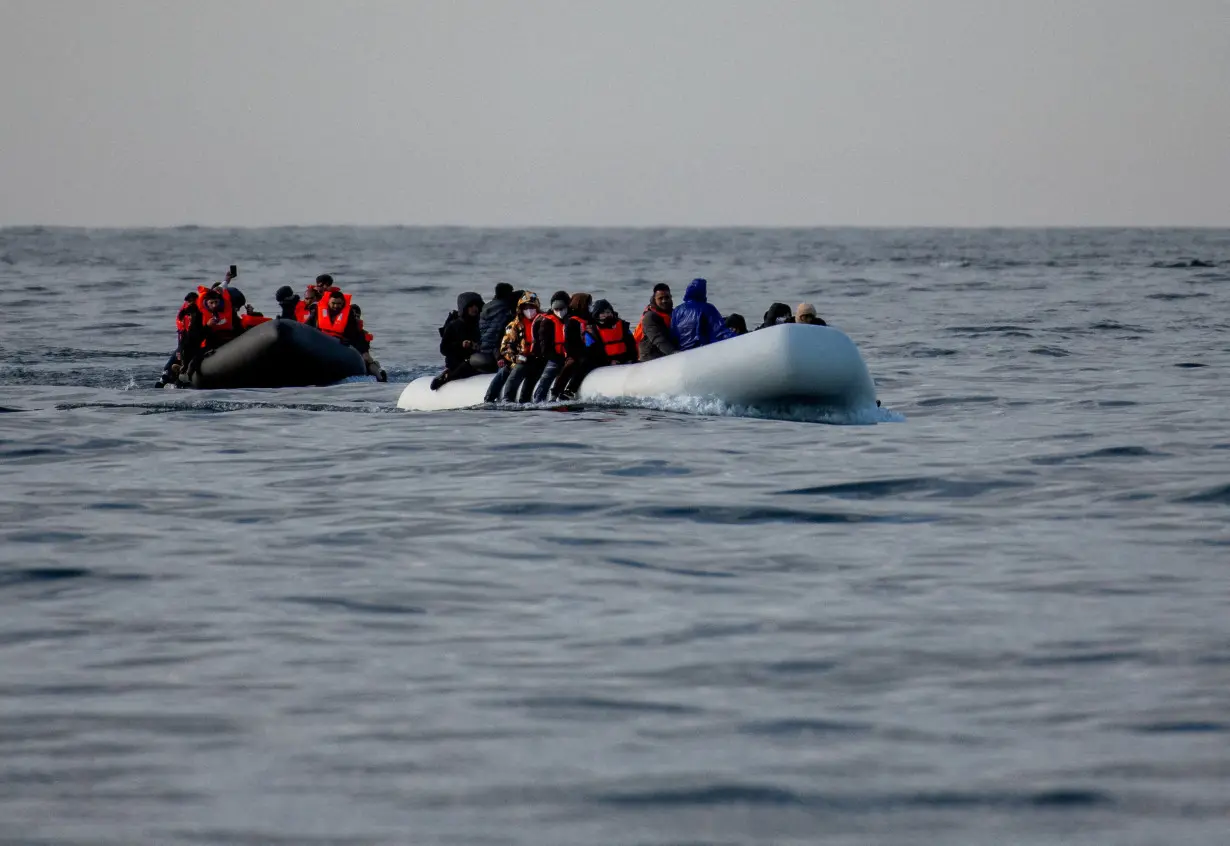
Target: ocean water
[304, 617]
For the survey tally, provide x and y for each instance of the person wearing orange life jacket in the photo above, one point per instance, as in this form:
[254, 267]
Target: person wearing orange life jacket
[575, 350]
[546, 352]
[609, 341]
[307, 306]
[251, 317]
[171, 369]
[337, 316]
[210, 325]
[514, 351]
[653, 333]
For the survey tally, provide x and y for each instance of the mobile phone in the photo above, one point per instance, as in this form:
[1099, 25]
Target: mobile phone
[234, 270]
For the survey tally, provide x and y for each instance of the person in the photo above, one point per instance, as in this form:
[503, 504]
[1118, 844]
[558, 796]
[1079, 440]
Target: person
[311, 298]
[514, 351]
[459, 339]
[492, 323]
[251, 317]
[339, 317]
[696, 322]
[292, 307]
[171, 369]
[210, 325]
[806, 314]
[777, 314]
[653, 333]
[547, 353]
[735, 323]
[576, 351]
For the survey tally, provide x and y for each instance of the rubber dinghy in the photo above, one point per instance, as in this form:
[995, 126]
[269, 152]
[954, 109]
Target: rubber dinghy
[791, 364]
[277, 354]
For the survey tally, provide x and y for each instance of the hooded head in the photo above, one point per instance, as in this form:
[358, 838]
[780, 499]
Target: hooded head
[805, 313]
[559, 301]
[529, 300]
[579, 304]
[212, 301]
[776, 313]
[604, 313]
[735, 323]
[467, 301]
[697, 292]
[284, 294]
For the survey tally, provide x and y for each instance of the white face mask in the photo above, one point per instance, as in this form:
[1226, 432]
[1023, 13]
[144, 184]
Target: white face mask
[530, 313]
[783, 319]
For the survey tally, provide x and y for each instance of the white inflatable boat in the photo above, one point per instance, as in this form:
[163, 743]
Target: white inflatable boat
[791, 364]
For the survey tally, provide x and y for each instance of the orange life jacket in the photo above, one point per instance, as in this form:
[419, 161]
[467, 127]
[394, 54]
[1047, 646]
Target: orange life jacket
[181, 319]
[335, 326]
[249, 320]
[613, 340]
[302, 310]
[639, 334]
[559, 332]
[224, 327]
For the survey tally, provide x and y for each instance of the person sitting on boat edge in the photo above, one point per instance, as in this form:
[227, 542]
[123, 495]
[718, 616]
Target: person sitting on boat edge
[806, 314]
[311, 298]
[171, 369]
[777, 314]
[459, 339]
[514, 352]
[735, 323]
[492, 323]
[547, 353]
[609, 341]
[292, 307]
[576, 350]
[653, 333]
[210, 325]
[696, 322]
[338, 316]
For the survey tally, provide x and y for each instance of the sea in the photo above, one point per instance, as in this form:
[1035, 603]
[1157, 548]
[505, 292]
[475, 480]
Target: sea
[995, 612]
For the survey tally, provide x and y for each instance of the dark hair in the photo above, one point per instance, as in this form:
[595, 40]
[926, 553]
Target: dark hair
[736, 324]
[325, 279]
[190, 297]
[579, 304]
[503, 290]
[662, 286]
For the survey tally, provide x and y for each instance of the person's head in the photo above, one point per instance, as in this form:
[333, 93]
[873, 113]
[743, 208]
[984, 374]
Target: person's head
[528, 306]
[469, 305]
[662, 299]
[778, 313]
[312, 295]
[190, 297]
[579, 304]
[697, 292]
[286, 296]
[337, 301]
[735, 323]
[504, 292]
[324, 281]
[213, 300]
[604, 313]
[805, 313]
[559, 303]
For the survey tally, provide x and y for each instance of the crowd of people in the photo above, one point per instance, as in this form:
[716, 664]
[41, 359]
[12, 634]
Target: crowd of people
[538, 354]
[212, 315]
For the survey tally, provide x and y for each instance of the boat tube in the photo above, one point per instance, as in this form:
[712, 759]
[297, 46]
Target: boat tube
[277, 354]
[790, 364]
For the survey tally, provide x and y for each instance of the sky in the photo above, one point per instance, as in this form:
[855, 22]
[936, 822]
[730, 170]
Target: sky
[671, 112]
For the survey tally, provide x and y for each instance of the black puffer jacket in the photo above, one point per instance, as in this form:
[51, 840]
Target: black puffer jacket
[494, 319]
[457, 330]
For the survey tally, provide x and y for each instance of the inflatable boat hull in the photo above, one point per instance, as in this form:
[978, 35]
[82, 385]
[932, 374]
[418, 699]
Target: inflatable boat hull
[791, 364]
[278, 354]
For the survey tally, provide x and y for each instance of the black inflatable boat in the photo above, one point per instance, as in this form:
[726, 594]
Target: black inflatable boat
[277, 354]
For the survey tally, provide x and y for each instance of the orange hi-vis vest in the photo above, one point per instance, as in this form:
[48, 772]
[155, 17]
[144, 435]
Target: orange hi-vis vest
[639, 334]
[613, 340]
[559, 332]
[330, 325]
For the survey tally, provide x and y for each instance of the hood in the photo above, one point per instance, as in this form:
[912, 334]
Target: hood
[600, 306]
[696, 292]
[466, 300]
[528, 298]
[775, 311]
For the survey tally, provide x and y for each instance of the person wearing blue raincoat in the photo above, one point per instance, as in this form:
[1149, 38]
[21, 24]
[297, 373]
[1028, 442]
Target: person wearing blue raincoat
[696, 322]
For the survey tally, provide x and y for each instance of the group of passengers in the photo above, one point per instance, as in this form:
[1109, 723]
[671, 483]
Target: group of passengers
[538, 354]
[212, 315]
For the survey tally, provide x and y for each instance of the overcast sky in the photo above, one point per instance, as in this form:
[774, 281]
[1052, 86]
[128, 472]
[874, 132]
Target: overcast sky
[686, 112]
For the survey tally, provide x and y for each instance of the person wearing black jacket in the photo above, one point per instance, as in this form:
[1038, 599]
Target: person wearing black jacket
[210, 325]
[459, 339]
[353, 334]
[576, 351]
[288, 300]
[494, 319]
[608, 340]
[778, 313]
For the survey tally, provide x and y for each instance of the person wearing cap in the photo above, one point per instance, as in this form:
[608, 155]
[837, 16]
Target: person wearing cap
[777, 314]
[696, 322]
[547, 351]
[292, 307]
[459, 339]
[806, 314]
[653, 333]
[514, 352]
[492, 323]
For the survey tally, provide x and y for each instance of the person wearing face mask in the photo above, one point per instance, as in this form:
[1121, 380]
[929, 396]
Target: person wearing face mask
[514, 351]
[653, 333]
[777, 314]
[576, 350]
[547, 353]
[459, 339]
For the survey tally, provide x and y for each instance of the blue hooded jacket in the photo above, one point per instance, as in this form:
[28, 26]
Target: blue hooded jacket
[695, 322]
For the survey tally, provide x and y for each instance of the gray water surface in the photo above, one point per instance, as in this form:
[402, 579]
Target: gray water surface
[304, 617]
